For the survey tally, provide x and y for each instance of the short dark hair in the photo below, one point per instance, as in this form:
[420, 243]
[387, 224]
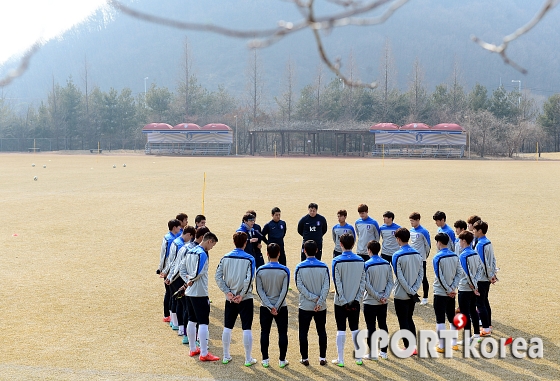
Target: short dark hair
[273, 250]
[439, 216]
[210, 237]
[239, 239]
[389, 214]
[275, 210]
[467, 236]
[460, 224]
[403, 234]
[374, 246]
[442, 237]
[313, 205]
[189, 230]
[347, 241]
[201, 231]
[414, 216]
[181, 216]
[310, 247]
[173, 223]
[481, 225]
[342, 212]
[251, 211]
[248, 216]
[199, 218]
[362, 208]
[472, 219]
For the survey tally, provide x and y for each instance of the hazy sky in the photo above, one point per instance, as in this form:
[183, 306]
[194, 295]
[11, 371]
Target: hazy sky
[22, 22]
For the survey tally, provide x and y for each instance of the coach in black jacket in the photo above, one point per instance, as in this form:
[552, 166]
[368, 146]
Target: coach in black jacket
[313, 227]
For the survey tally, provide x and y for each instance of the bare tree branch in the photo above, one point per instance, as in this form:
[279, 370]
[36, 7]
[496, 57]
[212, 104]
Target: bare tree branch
[501, 49]
[23, 65]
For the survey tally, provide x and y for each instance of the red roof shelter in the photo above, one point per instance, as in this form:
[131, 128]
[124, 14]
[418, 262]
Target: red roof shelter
[415, 127]
[451, 127]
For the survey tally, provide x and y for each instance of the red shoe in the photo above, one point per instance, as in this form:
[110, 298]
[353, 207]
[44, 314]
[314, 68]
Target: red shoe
[167, 319]
[415, 353]
[208, 357]
[195, 352]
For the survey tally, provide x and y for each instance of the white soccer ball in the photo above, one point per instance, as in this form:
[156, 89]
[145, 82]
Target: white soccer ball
[35, 178]
[33, 164]
[114, 166]
[44, 166]
[124, 165]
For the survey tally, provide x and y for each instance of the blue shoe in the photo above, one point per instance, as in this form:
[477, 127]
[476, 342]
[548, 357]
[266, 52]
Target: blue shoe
[174, 327]
[198, 344]
[170, 324]
[185, 339]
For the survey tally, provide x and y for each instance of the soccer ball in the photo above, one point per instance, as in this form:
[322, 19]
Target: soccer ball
[44, 166]
[114, 166]
[35, 178]
[124, 165]
[33, 164]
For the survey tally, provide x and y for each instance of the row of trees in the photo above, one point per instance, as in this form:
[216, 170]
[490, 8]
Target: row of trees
[500, 123]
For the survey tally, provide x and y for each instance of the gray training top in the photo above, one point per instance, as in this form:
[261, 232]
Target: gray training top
[379, 280]
[349, 278]
[235, 274]
[272, 281]
[448, 271]
[312, 282]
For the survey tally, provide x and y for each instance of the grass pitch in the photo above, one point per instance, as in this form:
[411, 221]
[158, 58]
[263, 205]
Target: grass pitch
[80, 246]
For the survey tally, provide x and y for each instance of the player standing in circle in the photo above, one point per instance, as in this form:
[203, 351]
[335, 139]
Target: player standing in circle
[468, 285]
[470, 222]
[313, 227]
[448, 272]
[234, 277]
[246, 227]
[367, 229]
[312, 281]
[349, 281]
[420, 241]
[184, 219]
[195, 275]
[485, 251]
[460, 226]
[272, 282]
[389, 244]
[440, 218]
[174, 226]
[339, 229]
[407, 265]
[379, 284]
[274, 232]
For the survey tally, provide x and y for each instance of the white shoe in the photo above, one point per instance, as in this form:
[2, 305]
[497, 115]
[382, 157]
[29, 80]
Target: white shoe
[265, 363]
[338, 363]
[181, 331]
[283, 364]
[226, 360]
[424, 301]
[250, 362]
[383, 355]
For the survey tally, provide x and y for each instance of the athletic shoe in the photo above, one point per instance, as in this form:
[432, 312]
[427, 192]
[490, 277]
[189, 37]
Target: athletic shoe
[383, 355]
[226, 360]
[170, 323]
[460, 342]
[283, 364]
[372, 358]
[195, 352]
[250, 362]
[455, 347]
[424, 301]
[485, 333]
[322, 362]
[304, 362]
[174, 327]
[359, 362]
[415, 353]
[265, 363]
[290, 288]
[208, 357]
[181, 331]
[167, 319]
[338, 363]
[440, 350]
[185, 339]
[197, 344]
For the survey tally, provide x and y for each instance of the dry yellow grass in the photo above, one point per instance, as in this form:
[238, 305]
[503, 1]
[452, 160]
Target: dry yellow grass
[81, 300]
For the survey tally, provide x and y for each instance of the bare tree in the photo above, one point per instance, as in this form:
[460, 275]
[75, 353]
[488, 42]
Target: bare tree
[286, 100]
[388, 75]
[255, 87]
[416, 93]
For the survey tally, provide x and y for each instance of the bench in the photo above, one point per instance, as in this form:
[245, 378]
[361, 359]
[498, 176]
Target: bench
[34, 150]
[95, 150]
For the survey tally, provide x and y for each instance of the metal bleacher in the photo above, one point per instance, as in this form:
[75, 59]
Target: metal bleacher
[194, 149]
[447, 152]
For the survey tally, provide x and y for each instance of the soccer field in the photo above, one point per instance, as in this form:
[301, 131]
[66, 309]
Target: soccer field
[80, 299]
